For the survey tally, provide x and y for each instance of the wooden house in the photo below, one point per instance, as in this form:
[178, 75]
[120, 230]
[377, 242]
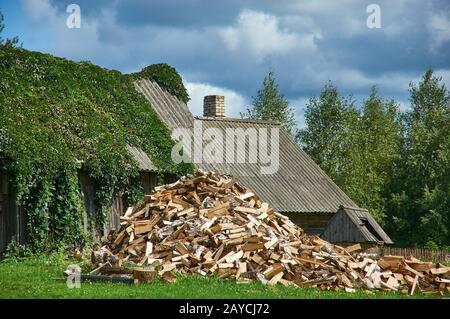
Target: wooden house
[299, 189]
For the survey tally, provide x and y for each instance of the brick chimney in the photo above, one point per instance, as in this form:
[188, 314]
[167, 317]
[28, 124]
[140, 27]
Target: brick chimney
[214, 106]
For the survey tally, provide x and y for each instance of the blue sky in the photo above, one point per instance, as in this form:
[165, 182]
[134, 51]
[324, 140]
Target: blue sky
[227, 47]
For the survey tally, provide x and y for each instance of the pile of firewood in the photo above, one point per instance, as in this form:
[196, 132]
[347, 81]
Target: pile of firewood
[209, 224]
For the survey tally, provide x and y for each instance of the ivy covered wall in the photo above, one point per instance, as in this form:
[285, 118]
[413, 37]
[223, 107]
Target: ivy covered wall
[55, 114]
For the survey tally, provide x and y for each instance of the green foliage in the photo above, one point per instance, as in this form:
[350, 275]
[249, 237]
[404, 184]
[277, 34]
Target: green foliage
[328, 119]
[135, 192]
[55, 114]
[356, 148]
[396, 165]
[66, 210]
[167, 77]
[270, 105]
[423, 174]
[9, 42]
[378, 138]
[16, 250]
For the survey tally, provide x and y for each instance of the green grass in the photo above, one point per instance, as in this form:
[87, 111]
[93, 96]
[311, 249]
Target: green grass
[41, 277]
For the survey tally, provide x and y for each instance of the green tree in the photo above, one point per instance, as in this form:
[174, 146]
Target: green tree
[376, 148]
[420, 211]
[357, 149]
[11, 42]
[329, 119]
[271, 105]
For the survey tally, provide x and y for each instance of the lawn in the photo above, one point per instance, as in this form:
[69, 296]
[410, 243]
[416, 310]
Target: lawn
[41, 277]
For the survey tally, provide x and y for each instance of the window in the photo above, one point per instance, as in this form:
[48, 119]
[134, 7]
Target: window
[366, 223]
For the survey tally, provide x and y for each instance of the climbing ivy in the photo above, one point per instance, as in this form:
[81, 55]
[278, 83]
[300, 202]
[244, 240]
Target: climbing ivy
[57, 116]
[167, 77]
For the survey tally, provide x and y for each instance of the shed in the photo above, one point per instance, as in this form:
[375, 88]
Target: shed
[354, 225]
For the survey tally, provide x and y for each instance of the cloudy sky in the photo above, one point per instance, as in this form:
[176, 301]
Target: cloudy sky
[228, 46]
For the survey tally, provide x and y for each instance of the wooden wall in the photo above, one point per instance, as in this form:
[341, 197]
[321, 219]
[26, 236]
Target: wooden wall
[88, 192]
[342, 230]
[312, 223]
[149, 180]
[12, 218]
[118, 207]
[3, 211]
[119, 204]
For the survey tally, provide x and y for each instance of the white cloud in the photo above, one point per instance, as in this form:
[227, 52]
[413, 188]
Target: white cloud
[78, 43]
[439, 26]
[39, 10]
[260, 35]
[299, 106]
[356, 80]
[324, 7]
[404, 105]
[347, 18]
[234, 102]
[445, 75]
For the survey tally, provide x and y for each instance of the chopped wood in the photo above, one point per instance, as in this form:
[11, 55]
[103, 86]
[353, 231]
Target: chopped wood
[169, 278]
[415, 272]
[149, 248]
[252, 246]
[414, 285]
[270, 243]
[211, 225]
[440, 271]
[353, 248]
[181, 248]
[246, 210]
[275, 279]
[144, 275]
[246, 196]
[128, 212]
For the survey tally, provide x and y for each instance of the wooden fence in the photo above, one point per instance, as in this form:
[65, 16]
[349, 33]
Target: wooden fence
[424, 254]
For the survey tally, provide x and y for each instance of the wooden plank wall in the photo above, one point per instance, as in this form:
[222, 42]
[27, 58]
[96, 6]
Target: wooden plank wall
[341, 229]
[119, 204]
[12, 217]
[312, 223]
[3, 211]
[113, 219]
[88, 191]
[149, 180]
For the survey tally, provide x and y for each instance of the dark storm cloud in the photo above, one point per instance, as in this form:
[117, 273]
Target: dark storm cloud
[173, 13]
